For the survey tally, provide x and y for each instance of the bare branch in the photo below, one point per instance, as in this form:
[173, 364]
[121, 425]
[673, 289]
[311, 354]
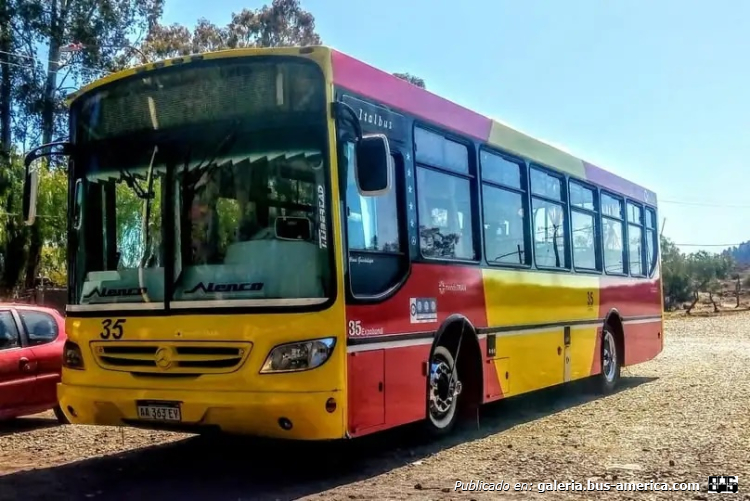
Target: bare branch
[62, 81]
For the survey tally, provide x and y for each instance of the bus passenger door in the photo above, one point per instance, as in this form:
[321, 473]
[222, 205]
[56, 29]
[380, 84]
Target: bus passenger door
[366, 389]
[566, 354]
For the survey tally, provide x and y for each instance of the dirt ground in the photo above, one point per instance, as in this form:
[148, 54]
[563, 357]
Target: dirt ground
[679, 418]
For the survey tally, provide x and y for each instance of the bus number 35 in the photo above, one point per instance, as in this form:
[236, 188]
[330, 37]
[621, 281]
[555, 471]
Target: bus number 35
[355, 327]
[112, 328]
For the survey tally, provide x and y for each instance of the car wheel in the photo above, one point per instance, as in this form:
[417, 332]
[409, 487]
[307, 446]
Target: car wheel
[60, 415]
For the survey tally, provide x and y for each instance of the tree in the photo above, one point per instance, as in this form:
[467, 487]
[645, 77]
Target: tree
[675, 275]
[740, 253]
[102, 27]
[14, 233]
[6, 70]
[412, 79]
[737, 288]
[81, 40]
[705, 271]
[283, 23]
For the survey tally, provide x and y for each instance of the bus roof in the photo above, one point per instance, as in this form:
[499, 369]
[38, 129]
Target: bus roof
[371, 82]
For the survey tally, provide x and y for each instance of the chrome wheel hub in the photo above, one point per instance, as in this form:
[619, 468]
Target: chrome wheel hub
[443, 388]
[609, 356]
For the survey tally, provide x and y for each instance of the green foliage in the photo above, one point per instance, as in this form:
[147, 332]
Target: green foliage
[32, 88]
[36, 73]
[740, 253]
[283, 23]
[675, 274]
[685, 275]
[14, 234]
[39, 84]
[52, 223]
[412, 79]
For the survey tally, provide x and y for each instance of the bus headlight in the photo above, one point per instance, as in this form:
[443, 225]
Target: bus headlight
[299, 356]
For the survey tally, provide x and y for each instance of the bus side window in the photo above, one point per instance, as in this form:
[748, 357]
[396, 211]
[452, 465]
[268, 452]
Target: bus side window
[506, 236]
[651, 241]
[613, 232]
[444, 215]
[551, 240]
[444, 183]
[584, 223]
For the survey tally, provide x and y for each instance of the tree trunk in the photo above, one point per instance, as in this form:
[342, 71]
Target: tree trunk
[57, 20]
[738, 289]
[6, 44]
[15, 241]
[711, 297]
[57, 23]
[692, 305]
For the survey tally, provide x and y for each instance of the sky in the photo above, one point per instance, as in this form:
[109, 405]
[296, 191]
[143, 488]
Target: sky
[655, 91]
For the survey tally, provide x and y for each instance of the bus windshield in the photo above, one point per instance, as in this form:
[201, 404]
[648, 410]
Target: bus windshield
[204, 187]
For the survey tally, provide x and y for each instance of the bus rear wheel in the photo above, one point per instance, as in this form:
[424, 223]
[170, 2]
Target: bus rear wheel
[610, 361]
[443, 392]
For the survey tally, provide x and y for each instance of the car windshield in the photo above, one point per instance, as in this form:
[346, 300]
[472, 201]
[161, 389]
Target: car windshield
[214, 205]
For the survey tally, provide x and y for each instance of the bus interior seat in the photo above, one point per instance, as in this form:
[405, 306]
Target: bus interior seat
[271, 257]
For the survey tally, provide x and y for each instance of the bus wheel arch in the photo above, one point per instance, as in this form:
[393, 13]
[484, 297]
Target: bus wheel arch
[449, 342]
[613, 326]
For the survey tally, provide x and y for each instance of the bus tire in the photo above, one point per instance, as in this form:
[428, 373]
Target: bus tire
[442, 392]
[609, 361]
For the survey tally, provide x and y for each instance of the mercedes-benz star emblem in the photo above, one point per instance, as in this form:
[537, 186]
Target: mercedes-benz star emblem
[164, 357]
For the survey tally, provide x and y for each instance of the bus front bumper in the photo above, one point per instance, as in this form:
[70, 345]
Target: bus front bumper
[311, 414]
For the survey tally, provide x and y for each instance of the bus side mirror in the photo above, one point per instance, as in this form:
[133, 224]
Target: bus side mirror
[31, 180]
[374, 172]
[30, 191]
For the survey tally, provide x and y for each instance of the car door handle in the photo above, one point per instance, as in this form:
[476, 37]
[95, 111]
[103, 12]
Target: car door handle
[24, 364]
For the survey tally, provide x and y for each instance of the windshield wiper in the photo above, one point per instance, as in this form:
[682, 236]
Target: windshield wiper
[206, 168]
[149, 195]
[133, 183]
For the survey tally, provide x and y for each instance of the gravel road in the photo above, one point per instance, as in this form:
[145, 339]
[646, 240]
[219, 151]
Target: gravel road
[679, 418]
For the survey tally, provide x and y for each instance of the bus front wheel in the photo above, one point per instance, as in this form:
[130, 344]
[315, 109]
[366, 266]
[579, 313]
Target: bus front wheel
[443, 392]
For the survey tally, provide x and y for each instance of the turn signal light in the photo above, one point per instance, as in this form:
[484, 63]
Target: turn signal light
[72, 356]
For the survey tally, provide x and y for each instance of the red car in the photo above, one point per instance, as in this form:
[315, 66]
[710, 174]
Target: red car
[31, 348]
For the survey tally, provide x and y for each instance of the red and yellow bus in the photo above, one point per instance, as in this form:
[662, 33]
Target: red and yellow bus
[291, 243]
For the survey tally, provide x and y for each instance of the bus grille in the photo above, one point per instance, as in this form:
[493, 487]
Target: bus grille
[170, 358]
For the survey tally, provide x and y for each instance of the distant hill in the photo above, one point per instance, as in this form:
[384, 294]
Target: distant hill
[740, 253]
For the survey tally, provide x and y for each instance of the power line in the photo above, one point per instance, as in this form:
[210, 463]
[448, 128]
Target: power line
[61, 64]
[16, 64]
[16, 54]
[709, 245]
[26, 56]
[705, 204]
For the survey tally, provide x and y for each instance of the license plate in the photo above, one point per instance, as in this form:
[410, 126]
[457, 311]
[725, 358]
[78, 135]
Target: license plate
[155, 412]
